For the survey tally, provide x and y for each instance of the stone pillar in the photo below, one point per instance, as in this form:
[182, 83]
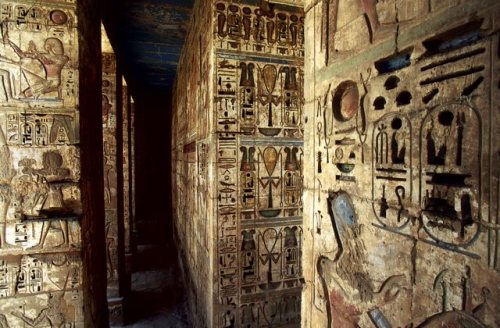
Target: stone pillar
[92, 184]
[42, 273]
[113, 181]
[127, 216]
[132, 182]
[259, 116]
[239, 159]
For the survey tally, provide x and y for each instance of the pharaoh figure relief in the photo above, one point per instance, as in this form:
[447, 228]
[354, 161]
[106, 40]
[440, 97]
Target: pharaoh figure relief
[32, 71]
[52, 61]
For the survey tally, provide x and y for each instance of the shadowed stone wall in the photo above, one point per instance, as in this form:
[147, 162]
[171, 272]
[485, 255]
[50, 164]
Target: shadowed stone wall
[193, 154]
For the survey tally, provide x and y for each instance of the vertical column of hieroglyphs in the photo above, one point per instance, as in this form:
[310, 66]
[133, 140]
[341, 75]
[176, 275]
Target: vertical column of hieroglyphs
[40, 264]
[259, 122]
[126, 167]
[494, 170]
[131, 162]
[404, 128]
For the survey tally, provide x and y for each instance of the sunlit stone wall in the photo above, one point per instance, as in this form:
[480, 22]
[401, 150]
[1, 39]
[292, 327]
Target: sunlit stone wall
[401, 183]
[40, 208]
[238, 148]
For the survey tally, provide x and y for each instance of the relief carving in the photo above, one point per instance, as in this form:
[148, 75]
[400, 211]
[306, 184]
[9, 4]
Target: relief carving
[262, 29]
[41, 69]
[445, 130]
[468, 314]
[343, 275]
[36, 57]
[53, 313]
[6, 174]
[259, 119]
[40, 205]
[427, 128]
[392, 169]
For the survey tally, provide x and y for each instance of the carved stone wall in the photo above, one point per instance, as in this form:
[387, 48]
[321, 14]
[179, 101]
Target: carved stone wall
[40, 208]
[401, 199]
[116, 192]
[127, 164]
[131, 166]
[126, 159]
[109, 104]
[193, 150]
[238, 147]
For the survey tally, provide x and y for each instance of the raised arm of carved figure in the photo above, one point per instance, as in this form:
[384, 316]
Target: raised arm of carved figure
[32, 322]
[16, 49]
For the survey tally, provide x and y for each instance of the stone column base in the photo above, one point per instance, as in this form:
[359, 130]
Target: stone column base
[115, 307]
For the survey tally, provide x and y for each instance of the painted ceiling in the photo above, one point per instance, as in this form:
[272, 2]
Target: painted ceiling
[148, 36]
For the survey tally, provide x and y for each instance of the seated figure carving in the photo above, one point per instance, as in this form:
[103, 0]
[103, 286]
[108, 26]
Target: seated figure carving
[41, 70]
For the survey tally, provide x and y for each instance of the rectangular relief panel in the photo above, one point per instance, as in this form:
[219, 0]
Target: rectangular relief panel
[258, 104]
[265, 30]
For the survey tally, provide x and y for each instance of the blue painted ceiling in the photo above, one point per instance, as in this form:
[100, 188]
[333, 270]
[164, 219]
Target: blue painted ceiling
[148, 36]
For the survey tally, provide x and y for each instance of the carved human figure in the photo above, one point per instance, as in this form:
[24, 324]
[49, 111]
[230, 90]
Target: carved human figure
[111, 247]
[348, 264]
[330, 18]
[248, 250]
[398, 139]
[6, 83]
[28, 189]
[439, 136]
[33, 192]
[228, 320]
[6, 174]
[294, 30]
[110, 188]
[3, 321]
[52, 60]
[61, 225]
[234, 22]
[52, 171]
[53, 313]
[53, 166]
[258, 26]
[106, 109]
[282, 29]
[291, 251]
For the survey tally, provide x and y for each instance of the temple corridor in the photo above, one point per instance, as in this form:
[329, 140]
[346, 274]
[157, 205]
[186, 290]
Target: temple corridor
[158, 296]
[249, 163]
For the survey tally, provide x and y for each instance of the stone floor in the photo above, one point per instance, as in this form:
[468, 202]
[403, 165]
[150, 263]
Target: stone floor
[158, 299]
